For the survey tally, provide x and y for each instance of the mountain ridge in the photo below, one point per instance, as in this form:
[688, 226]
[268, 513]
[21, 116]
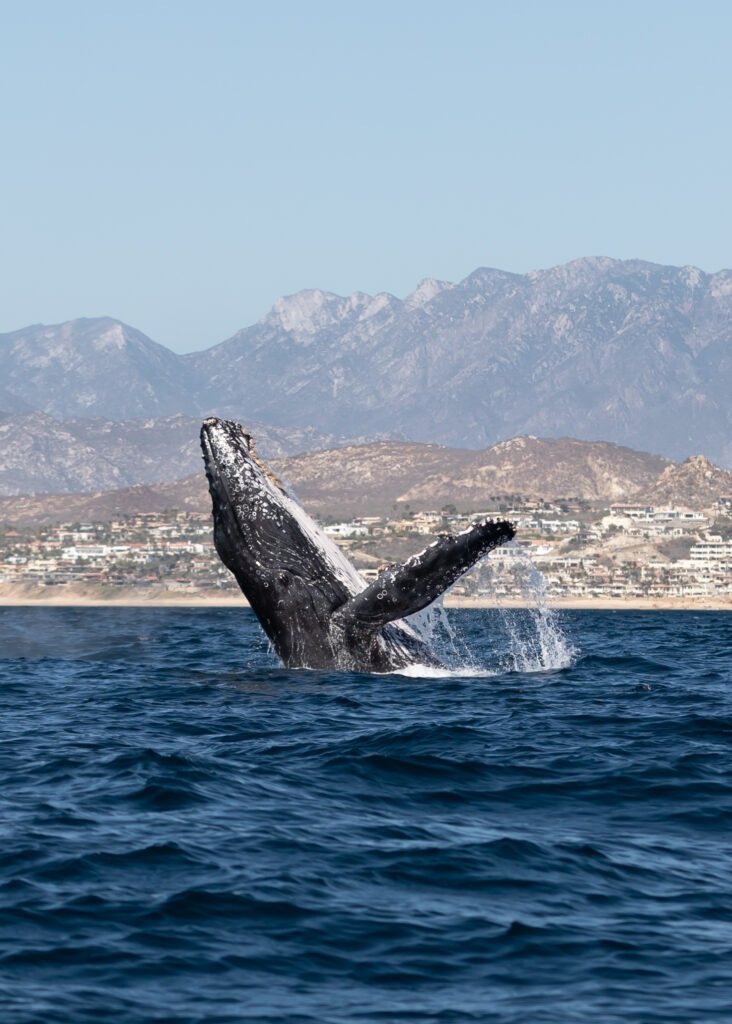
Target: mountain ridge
[631, 352]
[39, 453]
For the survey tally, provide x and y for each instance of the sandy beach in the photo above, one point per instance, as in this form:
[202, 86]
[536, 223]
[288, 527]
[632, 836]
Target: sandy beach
[103, 596]
[723, 603]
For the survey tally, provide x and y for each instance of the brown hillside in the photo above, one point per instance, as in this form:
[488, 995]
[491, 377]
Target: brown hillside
[373, 478]
[697, 481]
[190, 494]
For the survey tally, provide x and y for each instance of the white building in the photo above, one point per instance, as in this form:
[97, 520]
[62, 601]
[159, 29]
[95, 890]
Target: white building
[93, 551]
[346, 530]
[712, 553]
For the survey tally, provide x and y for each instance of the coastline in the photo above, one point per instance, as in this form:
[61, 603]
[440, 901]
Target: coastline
[29, 595]
[717, 604]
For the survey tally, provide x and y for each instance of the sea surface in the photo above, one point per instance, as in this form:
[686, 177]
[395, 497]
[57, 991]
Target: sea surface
[189, 832]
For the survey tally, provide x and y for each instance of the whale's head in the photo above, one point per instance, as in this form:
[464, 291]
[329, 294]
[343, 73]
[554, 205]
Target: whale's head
[291, 573]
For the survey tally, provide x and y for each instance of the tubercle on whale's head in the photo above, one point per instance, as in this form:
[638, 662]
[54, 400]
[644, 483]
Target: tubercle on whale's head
[228, 446]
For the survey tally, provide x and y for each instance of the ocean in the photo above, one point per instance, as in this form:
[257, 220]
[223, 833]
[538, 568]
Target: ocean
[191, 833]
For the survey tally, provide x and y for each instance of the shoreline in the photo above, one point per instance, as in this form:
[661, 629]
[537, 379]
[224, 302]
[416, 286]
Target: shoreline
[717, 604]
[28, 595]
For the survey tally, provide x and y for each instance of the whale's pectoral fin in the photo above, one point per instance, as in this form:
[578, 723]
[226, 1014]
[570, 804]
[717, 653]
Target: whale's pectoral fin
[404, 589]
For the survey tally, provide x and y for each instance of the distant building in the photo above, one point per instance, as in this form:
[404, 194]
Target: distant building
[347, 530]
[633, 511]
[712, 551]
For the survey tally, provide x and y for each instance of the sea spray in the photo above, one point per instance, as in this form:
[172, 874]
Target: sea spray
[535, 640]
[528, 638]
[435, 629]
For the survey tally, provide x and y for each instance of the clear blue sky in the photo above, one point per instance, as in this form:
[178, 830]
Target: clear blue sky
[180, 165]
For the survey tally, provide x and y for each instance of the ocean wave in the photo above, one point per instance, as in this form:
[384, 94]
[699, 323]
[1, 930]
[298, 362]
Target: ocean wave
[193, 833]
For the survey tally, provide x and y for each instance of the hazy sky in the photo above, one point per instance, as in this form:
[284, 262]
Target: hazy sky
[180, 165]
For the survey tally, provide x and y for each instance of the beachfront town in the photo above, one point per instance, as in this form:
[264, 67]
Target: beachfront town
[575, 550]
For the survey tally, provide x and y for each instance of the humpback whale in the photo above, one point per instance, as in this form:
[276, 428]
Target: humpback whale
[313, 605]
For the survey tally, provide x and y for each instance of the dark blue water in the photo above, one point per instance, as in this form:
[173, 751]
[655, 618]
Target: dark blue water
[190, 833]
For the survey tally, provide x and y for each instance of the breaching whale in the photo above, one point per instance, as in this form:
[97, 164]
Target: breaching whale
[311, 602]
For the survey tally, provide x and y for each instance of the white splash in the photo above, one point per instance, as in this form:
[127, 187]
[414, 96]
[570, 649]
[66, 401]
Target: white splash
[434, 672]
[524, 639]
[433, 627]
[536, 641]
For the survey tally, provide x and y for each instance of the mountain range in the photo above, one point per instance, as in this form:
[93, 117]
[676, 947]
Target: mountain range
[625, 351]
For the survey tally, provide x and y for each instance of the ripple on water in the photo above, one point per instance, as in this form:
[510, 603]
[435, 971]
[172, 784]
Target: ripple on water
[192, 833]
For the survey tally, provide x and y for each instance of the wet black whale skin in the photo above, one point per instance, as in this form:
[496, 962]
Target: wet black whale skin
[308, 598]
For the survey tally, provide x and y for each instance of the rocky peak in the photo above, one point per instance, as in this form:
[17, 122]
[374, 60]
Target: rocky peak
[424, 292]
[700, 464]
[576, 274]
[310, 311]
[696, 480]
[90, 366]
[691, 276]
